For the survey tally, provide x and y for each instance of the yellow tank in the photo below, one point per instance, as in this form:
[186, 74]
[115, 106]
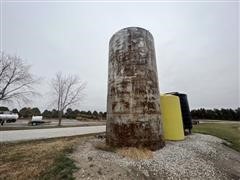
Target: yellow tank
[171, 117]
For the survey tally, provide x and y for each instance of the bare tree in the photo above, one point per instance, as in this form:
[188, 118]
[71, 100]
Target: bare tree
[16, 81]
[67, 91]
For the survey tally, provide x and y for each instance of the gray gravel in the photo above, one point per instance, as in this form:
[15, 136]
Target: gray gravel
[198, 157]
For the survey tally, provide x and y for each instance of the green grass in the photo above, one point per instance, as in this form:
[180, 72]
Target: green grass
[62, 168]
[227, 131]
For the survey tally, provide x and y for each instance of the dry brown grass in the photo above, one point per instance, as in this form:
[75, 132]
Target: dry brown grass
[135, 153]
[130, 152]
[28, 160]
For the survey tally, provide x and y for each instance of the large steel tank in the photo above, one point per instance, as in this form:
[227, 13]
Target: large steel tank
[8, 116]
[133, 107]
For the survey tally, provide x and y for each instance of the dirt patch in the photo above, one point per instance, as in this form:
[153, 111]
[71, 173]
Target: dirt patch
[198, 157]
[91, 168]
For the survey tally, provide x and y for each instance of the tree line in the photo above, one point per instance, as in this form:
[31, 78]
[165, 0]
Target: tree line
[219, 114]
[28, 112]
[17, 86]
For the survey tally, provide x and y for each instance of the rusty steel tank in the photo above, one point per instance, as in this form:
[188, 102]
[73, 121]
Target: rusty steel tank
[133, 107]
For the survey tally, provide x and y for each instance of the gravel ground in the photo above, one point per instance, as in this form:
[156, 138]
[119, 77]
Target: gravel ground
[198, 157]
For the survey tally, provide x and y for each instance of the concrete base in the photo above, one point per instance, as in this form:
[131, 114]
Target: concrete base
[137, 134]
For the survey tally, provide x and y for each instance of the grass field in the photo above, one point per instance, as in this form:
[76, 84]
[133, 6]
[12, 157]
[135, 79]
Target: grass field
[39, 159]
[227, 131]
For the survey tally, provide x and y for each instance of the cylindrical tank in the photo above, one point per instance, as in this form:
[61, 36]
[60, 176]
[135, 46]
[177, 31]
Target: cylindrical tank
[186, 114]
[8, 116]
[133, 107]
[171, 117]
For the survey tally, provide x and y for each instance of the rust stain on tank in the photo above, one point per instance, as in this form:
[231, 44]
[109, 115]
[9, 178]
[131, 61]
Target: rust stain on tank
[133, 109]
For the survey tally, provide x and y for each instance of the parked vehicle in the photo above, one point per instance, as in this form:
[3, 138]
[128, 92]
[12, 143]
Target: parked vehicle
[195, 122]
[7, 117]
[36, 120]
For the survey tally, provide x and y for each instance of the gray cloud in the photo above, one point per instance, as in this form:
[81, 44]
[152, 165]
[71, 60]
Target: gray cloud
[196, 45]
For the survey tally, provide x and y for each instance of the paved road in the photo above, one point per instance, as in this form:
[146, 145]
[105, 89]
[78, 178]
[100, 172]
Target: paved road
[54, 122]
[18, 135]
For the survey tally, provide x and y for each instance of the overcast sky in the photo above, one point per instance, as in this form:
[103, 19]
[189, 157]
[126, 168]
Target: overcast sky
[196, 45]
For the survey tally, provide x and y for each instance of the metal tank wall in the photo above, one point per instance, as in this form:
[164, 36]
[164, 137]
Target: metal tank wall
[133, 107]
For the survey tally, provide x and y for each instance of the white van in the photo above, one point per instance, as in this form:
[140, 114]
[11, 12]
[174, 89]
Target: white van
[36, 120]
